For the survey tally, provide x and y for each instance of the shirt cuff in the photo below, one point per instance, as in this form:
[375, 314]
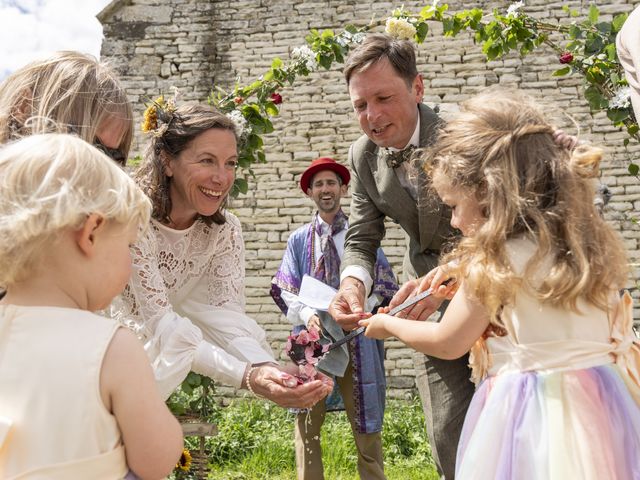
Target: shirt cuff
[218, 365]
[306, 313]
[360, 273]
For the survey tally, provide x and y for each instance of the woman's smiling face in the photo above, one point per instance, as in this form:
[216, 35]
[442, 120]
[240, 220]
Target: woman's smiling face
[202, 175]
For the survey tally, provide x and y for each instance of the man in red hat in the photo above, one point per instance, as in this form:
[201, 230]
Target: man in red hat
[316, 249]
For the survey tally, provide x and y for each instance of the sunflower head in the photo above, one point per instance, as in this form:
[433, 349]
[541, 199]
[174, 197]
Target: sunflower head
[184, 463]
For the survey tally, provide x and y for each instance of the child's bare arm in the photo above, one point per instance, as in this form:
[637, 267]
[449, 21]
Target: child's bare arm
[464, 322]
[151, 434]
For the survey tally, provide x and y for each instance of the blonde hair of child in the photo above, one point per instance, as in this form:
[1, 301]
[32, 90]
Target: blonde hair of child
[501, 149]
[71, 91]
[51, 182]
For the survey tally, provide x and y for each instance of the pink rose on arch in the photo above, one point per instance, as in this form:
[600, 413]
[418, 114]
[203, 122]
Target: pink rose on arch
[566, 57]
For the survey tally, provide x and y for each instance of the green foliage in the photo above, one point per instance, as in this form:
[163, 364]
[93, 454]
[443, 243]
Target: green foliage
[258, 102]
[587, 48]
[404, 435]
[134, 162]
[194, 397]
[255, 441]
[590, 43]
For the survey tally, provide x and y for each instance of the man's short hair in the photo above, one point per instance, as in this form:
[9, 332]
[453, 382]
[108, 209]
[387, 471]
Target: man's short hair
[400, 53]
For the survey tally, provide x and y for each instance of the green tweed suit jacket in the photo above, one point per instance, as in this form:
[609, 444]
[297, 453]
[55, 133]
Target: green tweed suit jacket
[376, 193]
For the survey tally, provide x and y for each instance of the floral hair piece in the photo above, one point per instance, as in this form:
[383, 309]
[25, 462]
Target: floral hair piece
[159, 114]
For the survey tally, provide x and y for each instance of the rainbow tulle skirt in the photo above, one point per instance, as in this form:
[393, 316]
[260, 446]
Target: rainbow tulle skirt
[576, 424]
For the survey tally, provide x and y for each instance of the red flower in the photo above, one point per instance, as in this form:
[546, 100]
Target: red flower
[276, 98]
[566, 57]
[238, 100]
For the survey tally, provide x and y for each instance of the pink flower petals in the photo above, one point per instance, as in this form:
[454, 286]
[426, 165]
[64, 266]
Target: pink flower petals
[306, 351]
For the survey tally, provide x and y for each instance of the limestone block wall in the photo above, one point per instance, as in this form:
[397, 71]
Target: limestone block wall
[198, 44]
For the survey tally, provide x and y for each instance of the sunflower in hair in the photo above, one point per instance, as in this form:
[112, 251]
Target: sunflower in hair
[158, 115]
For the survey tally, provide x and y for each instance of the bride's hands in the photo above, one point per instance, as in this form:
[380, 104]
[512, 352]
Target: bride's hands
[278, 384]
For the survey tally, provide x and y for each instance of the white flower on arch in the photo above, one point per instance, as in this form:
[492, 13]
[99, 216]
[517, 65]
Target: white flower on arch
[306, 55]
[622, 98]
[239, 120]
[514, 9]
[400, 28]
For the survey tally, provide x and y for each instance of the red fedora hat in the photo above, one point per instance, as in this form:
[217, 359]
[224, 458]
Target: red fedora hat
[320, 164]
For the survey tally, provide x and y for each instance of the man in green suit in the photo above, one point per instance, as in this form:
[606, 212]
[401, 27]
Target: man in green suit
[386, 92]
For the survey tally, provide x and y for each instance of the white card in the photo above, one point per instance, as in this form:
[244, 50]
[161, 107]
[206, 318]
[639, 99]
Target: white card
[317, 295]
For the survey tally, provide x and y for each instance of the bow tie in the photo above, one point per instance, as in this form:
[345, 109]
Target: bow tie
[395, 159]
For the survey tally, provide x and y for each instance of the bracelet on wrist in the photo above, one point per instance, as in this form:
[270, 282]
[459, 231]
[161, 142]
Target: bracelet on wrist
[247, 380]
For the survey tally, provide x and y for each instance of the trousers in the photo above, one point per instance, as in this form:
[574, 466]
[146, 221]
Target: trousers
[445, 391]
[307, 438]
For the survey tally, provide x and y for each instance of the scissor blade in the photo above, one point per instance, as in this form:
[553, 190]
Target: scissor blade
[346, 338]
[406, 304]
[409, 302]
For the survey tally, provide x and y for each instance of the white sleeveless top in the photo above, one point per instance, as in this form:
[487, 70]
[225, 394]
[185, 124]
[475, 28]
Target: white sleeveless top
[50, 362]
[545, 338]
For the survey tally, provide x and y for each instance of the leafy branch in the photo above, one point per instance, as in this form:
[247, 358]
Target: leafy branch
[585, 48]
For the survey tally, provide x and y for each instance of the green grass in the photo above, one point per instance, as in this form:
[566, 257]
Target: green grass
[255, 442]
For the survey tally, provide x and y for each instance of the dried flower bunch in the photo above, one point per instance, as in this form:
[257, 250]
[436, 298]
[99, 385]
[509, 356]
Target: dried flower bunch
[159, 114]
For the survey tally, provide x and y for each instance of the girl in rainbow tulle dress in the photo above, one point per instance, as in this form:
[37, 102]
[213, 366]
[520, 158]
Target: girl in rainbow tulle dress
[536, 301]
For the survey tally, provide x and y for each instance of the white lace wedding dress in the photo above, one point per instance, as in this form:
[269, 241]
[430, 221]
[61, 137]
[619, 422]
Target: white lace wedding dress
[185, 300]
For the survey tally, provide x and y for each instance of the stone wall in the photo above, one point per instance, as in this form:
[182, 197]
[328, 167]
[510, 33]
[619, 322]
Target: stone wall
[196, 44]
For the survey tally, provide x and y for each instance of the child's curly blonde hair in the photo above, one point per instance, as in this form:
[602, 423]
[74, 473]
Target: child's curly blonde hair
[501, 149]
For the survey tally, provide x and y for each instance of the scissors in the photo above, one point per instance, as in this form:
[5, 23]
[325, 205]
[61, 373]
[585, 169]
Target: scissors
[394, 311]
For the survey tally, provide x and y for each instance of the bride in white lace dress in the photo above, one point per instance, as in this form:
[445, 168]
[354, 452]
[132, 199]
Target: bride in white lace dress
[186, 294]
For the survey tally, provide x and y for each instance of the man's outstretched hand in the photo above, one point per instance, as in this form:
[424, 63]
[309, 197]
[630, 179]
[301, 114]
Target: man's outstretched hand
[347, 307]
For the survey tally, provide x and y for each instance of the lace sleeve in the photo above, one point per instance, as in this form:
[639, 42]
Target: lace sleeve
[144, 300]
[227, 271]
[174, 344]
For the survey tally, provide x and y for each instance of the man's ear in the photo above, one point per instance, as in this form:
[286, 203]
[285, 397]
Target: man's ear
[344, 189]
[309, 192]
[418, 88]
[86, 234]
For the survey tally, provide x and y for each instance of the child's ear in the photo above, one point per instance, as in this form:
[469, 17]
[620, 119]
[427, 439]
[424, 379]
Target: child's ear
[86, 234]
